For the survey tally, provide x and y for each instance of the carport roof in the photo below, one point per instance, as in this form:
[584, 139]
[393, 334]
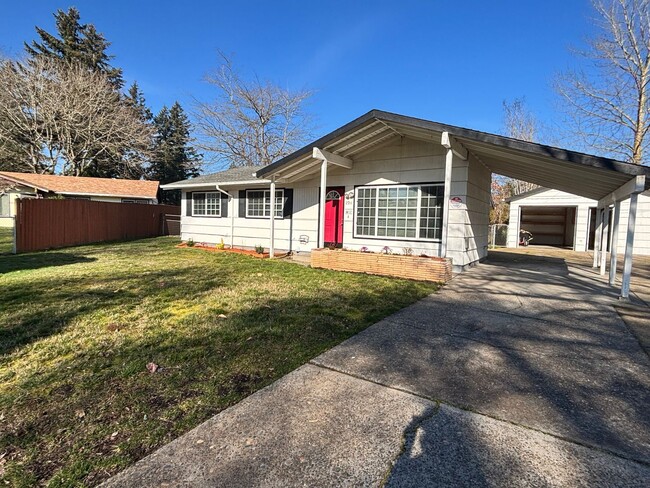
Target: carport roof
[574, 172]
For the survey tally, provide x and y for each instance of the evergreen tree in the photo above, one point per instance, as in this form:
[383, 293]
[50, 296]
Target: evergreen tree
[76, 42]
[135, 98]
[174, 157]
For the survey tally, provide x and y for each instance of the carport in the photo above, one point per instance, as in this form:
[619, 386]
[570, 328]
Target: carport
[606, 180]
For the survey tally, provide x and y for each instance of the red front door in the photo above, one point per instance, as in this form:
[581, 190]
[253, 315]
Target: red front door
[334, 216]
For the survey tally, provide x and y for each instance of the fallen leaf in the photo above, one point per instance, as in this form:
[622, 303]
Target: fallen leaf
[80, 414]
[114, 435]
[200, 441]
[222, 316]
[152, 367]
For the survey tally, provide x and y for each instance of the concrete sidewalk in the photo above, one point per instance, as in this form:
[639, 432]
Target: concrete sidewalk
[518, 373]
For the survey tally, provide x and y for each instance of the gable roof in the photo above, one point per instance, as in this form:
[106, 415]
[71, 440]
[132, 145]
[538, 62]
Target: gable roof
[80, 185]
[233, 175]
[571, 171]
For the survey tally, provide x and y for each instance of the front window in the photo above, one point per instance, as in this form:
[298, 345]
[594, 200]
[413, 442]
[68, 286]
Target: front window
[400, 212]
[206, 204]
[258, 203]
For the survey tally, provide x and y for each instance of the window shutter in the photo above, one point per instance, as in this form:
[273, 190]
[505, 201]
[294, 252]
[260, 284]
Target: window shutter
[242, 203]
[287, 209]
[188, 203]
[224, 205]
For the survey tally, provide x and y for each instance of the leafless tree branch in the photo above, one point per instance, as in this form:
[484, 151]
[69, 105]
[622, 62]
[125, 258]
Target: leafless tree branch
[66, 117]
[608, 104]
[251, 122]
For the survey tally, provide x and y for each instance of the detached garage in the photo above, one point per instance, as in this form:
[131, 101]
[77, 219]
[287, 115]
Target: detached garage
[557, 218]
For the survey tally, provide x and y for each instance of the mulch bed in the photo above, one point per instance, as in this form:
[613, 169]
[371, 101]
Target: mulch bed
[247, 252]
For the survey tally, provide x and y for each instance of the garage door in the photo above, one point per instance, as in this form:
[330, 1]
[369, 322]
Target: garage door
[550, 226]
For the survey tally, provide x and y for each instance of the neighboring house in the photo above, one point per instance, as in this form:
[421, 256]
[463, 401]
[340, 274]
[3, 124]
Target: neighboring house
[387, 180]
[557, 218]
[32, 185]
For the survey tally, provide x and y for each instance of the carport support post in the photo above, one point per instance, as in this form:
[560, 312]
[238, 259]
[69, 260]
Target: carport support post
[321, 208]
[272, 197]
[603, 241]
[614, 243]
[629, 247]
[449, 160]
[597, 238]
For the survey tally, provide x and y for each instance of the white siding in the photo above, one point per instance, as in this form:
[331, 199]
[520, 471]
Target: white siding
[563, 199]
[403, 161]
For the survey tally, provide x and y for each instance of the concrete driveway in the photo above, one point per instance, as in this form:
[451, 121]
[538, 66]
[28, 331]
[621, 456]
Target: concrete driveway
[519, 373]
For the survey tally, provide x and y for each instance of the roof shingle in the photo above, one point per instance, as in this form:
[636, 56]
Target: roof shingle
[82, 185]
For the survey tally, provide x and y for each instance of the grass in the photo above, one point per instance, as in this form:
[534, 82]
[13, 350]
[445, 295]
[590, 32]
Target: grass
[6, 239]
[78, 327]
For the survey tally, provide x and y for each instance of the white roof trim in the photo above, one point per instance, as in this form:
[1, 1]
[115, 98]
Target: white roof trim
[180, 186]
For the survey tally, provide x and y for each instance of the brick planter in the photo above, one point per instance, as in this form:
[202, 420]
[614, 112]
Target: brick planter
[411, 267]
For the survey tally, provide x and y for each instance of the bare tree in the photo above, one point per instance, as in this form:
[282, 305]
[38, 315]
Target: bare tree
[251, 122]
[64, 118]
[519, 123]
[608, 103]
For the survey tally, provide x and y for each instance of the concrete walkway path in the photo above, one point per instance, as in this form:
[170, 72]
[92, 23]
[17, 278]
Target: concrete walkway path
[519, 373]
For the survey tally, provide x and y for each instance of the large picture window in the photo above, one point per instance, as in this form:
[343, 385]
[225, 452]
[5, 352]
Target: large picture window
[206, 204]
[400, 212]
[258, 203]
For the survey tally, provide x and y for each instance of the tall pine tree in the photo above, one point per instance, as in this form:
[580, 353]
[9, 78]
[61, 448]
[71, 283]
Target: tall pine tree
[174, 157]
[76, 42]
[135, 98]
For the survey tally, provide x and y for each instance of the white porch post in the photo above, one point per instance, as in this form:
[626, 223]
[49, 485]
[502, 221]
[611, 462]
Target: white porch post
[449, 161]
[272, 196]
[614, 243]
[321, 208]
[629, 247]
[597, 238]
[231, 202]
[603, 241]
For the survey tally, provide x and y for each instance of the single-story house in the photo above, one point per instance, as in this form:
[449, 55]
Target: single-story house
[388, 180]
[558, 218]
[31, 185]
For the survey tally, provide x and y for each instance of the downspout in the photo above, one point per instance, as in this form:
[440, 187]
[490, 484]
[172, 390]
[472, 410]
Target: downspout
[232, 215]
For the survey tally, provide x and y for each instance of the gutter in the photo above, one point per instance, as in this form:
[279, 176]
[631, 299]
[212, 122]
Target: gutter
[208, 184]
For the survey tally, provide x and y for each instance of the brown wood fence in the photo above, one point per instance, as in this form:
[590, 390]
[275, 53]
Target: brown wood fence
[47, 223]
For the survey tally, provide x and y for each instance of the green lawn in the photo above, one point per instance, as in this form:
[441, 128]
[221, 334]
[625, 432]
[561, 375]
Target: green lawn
[6, 239]
[78, 327]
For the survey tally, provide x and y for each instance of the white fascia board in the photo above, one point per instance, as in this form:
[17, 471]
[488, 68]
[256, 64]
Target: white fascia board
[182, 186]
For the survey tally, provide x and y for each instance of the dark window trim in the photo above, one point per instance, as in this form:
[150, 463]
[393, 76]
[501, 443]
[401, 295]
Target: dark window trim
[246, 216]
[192, 214]
[390, 238]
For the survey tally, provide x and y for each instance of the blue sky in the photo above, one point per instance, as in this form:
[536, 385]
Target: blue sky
[452, 62]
